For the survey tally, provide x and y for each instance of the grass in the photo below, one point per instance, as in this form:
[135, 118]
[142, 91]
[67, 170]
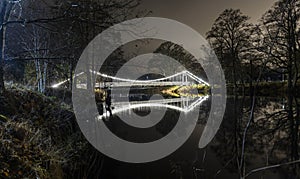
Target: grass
[39, 138]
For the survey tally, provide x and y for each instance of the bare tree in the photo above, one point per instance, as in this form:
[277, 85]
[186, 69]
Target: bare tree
[281, 27]
[38, 49]
[84, 20]
[230, 37]
[5, 9]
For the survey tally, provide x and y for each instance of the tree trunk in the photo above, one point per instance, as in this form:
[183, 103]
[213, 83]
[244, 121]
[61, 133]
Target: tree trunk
[44, 74]
[71, 74]
[251, 79]
[2, 42]
[2, 87]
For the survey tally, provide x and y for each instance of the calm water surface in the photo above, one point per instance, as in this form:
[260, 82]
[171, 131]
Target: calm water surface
[265, 141]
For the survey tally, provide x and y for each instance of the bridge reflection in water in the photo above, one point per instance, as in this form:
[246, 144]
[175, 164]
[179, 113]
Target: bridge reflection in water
[182, 104]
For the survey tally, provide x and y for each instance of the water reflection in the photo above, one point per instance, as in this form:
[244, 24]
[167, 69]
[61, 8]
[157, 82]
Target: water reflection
[182, 104]
[267, 141]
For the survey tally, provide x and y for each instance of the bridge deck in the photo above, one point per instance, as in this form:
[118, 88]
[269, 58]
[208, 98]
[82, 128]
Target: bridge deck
[160, 101]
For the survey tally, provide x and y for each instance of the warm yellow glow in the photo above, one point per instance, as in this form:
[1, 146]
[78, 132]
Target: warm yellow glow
[186, 91]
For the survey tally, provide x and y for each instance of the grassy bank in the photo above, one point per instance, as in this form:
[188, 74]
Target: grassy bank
[39, 138]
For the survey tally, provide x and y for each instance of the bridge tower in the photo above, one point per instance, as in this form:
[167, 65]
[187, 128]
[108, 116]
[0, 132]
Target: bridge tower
[184, 102]
[184, 78]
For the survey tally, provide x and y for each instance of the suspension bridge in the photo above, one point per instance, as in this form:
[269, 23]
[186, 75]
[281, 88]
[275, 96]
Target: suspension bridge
[184, 78]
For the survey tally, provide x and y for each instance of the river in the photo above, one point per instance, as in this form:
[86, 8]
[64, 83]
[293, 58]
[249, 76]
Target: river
[266, 141]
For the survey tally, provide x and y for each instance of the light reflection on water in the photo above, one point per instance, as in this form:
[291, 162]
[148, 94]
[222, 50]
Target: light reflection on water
[184, 104]
[217, 159]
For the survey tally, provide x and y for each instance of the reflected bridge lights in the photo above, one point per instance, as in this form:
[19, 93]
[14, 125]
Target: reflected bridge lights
[187, 105]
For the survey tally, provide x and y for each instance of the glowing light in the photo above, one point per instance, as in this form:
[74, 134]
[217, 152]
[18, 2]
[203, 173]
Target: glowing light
[62, 82]
[150, 104]
[136, 81]
[58, 84]
[194, 77]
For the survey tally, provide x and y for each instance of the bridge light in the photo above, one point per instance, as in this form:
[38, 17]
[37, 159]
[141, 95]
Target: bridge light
[185, 72]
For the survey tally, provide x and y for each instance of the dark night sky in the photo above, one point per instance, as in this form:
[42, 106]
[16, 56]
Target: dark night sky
[200, 14]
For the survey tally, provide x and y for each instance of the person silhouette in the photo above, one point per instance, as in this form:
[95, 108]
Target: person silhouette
[108, 103]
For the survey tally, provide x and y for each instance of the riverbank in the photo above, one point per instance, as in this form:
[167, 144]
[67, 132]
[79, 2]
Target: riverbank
[271, 89]
[40, 138]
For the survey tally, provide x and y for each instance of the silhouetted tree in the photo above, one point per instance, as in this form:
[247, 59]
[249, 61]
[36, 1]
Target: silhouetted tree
[181, 55]
[282, 41]
[5, 9]
[230, 36]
